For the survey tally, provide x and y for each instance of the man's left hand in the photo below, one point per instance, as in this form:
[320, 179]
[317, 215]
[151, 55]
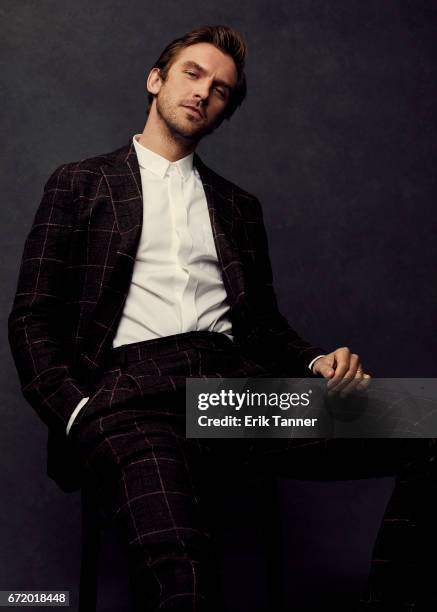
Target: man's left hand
[343, 370]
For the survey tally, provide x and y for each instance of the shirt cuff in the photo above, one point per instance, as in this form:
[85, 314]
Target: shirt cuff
[312, 362]
[75, 412]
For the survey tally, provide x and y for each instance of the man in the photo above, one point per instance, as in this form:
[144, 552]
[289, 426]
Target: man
[144, 267]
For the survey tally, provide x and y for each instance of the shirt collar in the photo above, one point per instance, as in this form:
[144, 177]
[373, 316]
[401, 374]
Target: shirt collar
[159, 165]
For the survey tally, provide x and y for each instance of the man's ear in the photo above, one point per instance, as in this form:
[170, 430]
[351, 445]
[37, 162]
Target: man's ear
[154, 81]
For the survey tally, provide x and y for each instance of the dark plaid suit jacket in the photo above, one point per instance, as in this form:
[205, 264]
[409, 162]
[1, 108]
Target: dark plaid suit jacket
[75, 275]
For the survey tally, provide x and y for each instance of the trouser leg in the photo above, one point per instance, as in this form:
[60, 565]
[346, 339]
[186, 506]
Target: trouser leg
[147, 479]
[403, 569]
[402, 576]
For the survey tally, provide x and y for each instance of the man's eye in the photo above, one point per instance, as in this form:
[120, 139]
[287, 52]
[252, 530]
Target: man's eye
[220, 92]
[192, 74]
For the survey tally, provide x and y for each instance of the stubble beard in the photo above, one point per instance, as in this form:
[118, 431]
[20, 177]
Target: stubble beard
[167, 112]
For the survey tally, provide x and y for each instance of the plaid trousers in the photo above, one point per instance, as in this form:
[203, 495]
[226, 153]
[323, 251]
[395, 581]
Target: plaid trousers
[151, 482]
[157, 488]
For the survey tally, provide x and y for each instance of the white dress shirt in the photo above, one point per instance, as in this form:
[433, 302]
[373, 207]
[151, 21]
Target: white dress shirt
[176, 283]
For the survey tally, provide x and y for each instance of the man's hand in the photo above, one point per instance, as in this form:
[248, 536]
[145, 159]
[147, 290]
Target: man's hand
[344, 371]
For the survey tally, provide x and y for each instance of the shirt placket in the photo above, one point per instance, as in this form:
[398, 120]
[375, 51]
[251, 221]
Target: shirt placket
[185, 283]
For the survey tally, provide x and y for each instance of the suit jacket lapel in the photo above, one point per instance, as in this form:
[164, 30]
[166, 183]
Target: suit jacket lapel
[122, 175]
[223, 213]
[123, 179]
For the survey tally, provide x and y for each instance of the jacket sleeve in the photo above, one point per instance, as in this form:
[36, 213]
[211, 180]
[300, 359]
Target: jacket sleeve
[35, 321]
[275, 340]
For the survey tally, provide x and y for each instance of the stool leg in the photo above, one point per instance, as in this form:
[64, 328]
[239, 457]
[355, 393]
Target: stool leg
[89, 563]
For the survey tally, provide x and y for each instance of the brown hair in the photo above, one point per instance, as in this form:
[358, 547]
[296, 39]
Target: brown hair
[224, 38]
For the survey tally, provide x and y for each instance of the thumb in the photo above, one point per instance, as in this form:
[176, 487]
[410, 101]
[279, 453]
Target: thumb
[324, 366]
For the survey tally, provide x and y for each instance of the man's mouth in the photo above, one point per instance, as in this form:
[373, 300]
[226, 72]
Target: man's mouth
[194, 110]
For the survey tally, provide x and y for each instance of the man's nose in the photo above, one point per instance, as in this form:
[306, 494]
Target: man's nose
[202, 90]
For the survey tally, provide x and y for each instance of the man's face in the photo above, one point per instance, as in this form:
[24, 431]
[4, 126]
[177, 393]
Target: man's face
[192, 99]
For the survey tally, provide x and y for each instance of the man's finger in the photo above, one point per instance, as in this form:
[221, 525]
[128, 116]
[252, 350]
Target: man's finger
[324, 369]
[355, 371]
[364, 384]
[352, 385]
[323, 366]
[358, 385]
[342, 359]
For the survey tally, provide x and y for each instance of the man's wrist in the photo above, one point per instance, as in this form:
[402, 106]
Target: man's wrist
[313, 361]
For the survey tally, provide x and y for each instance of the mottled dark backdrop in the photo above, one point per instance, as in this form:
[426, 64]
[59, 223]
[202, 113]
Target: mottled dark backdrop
[337, 138]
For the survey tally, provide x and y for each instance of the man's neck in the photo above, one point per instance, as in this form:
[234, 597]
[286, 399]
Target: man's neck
[162, 142]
